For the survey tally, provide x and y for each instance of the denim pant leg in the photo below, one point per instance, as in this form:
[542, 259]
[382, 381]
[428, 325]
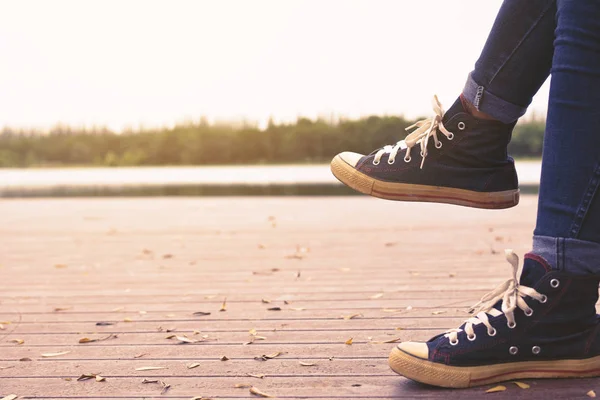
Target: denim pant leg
[567, 232]
[515, 61]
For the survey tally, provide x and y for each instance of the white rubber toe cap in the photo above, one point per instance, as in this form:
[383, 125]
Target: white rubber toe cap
[350, 158]
[416, 349]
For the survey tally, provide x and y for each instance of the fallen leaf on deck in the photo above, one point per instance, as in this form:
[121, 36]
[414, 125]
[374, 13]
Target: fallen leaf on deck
[409, 308]
[262, 246]
[104, 323]
[17, 341]
[25, 359]
[242, 385]
[55, 354]
[88, 340]
[347, 317]
[2, 327]
[100, 378]
[146, 251]
[522, 385]
[377, 296]
[59, 266]
[274, 309]
[58, 309]
[10, 397]
[127, 320]
[307, 364]
[266, 357]
[399, 328]
[117, 309]
[183, 339]
[591, 393]
[68, 379]
[149, 368]
[200, 398]
[391, 310]
[201, 313]
[165, 386]
[224, 305]
[259, 376]
[396, 340]
[194, 365]
[252, 332]
[86, 377]
[167, 256]
[390, 244]
[142, 312]
[349, 341]
[298, 309]
[10, 366]
[495, 389]
[5, 322]
[265, 301]
[257, 392]
[140, 355]
[452, 274]
[438, 312]
[224, 358]
[150, 381]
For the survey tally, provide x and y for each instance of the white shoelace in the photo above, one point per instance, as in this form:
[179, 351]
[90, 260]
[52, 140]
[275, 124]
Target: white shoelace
[510, 292]
[425, 128]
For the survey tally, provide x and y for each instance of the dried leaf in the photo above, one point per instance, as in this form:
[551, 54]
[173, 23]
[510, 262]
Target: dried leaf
[147, 252]
[390, 244]
[150, 381]
[199, 398]
[452, 274]
[377, 296]
[274, 309]
[591, 393]
[55, 354]
[258, 376]
[86, 377]
[165, 386]
[286, 302]
[2, 327]
[166, 256]
[242, 385]
[396, 340]
[224, 305]
[140, 355]
[185, 339]
[298, 309]
[10, 397]
[5, 322]
[438, 312]
[59, 266]
[252, 332]
[194, 365]
[149, 368]
[522, 385]
[201, 313]
[10, 366]
[266, 357]
[58, 309]
[224, 358]
[347, 317]
[127, 320]
[307, 364]
[100, 378]
[409, 308]
[117, 309]
[261, 246]
[68, 379]
[391, 310]
[88, 340]
[349, 341]
[17, 341]
[102, 323]
[495, 389]
[25, 359]
[142, 312]
[257, 392]
[265, 301]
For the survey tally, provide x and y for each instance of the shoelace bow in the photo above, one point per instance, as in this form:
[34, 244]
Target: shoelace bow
[425, 129]
[510, 292]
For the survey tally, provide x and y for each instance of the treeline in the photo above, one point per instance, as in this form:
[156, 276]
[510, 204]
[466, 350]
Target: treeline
[305, 141]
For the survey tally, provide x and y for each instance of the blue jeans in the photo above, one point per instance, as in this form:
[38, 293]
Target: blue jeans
[529, 40]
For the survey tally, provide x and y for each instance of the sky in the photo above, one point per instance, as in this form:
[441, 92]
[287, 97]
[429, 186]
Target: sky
[128, 64]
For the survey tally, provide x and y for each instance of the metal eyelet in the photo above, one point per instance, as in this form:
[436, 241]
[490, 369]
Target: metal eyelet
[450, 136]
[391, 160]
[454, 343]
[471, 338]
[529, 312]
[422, 154]
[461, 125]
[536, 349]
[511, 326]
[544, 299]
[407, 159]
[513, 350]
[492, 332]
[438, 145]
[375, 162]
[555, 283]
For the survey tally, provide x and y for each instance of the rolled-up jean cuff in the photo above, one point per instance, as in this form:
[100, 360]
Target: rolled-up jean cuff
[487, 102]
[574, 256]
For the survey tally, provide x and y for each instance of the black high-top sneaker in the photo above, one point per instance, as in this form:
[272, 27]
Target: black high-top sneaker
[450, 158]
[544, 326]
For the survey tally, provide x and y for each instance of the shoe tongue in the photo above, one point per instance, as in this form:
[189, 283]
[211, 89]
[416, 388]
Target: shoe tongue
[456, 108]
[534, 268]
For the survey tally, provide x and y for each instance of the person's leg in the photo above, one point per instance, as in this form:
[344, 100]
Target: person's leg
[545, 325]
[467, 161]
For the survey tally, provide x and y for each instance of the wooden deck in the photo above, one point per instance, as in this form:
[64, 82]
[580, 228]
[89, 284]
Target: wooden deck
[304, 275]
